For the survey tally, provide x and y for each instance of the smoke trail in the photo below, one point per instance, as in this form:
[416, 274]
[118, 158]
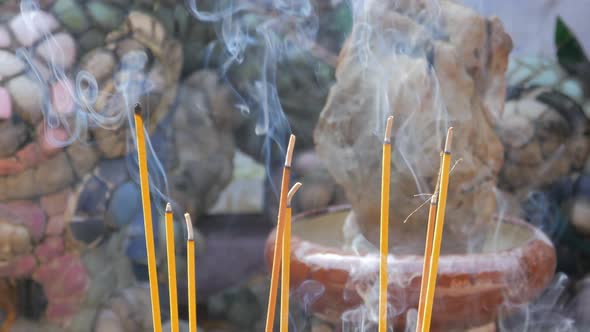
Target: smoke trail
[547, 313]
[258, 36]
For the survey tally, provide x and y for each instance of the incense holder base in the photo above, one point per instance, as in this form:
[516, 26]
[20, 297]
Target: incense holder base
[513, 265]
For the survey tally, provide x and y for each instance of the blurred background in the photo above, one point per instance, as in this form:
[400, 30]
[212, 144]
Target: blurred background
[223, 84]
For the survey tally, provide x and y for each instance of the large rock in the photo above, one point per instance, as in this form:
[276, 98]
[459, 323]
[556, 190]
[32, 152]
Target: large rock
[420, 63]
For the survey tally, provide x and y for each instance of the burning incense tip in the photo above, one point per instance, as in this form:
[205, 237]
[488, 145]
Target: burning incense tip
[138, 109]
[388, 129]
[189, 226]
[449, 140]
[290, 148]
[168, 208]
[292, 192]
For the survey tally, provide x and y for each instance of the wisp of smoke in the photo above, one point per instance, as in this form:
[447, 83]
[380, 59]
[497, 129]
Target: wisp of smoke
[260, 34]
[547, 313]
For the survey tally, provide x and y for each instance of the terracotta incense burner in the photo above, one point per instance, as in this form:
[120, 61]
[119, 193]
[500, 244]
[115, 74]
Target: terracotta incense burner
[511, 266]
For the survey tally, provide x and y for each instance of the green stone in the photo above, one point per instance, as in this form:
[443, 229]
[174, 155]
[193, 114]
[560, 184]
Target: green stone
[82, 321]
[182, 19]
[71, 15]
[91, 40]
[106, 16]
[166, 17]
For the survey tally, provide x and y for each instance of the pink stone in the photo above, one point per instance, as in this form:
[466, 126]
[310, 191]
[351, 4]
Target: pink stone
[24, 266]
[30, 155]
[5, 104]
[60, 312]
[28, 214]
[75, 283]
[19, 267]
[63, 277]
[4, 38]
[61, 97]
[50, 248]
[10, 166]
[55, 204]
[59, 51]
[46, 274]
[31, 26]
[55, 225]
[51, 140]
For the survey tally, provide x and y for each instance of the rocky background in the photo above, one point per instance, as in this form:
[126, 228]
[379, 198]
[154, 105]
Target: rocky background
[72, 255]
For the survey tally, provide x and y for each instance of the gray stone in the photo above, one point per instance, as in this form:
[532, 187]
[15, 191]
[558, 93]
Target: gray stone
[27, 98]
[52, 175]
[9, 64]
[112, 171]
[87, 231]
[92, 198]
[83, 157]
[12, 136]
[100, 64]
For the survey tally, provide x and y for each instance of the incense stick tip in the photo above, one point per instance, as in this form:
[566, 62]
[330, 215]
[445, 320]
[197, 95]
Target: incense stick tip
[168, 207]
[137, 109]
[290, 148]
[189, 226]
[292, 192]
[449, 140]
[388, 128]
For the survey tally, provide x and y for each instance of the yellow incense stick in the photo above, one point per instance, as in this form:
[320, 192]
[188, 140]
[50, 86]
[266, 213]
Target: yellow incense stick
[190, 266]
[384, 232]
[147, 219]
[276, 259]
[171, 269]
[428, 250]
[438, 230]
[286, 263]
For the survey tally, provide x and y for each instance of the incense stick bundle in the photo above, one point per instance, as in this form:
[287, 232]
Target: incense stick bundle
[286, 263]
[438, 229]
[384, 231]
[171, 256]
[276, 260]
[147, 218]
[190, 266]
[428, 251]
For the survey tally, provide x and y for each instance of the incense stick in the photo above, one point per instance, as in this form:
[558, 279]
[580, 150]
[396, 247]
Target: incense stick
[438, 229]
[286, 264]
[147, 218]
[428, 250]
[384, 232]
[276, 259]
[190, 266]
[171, 269]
